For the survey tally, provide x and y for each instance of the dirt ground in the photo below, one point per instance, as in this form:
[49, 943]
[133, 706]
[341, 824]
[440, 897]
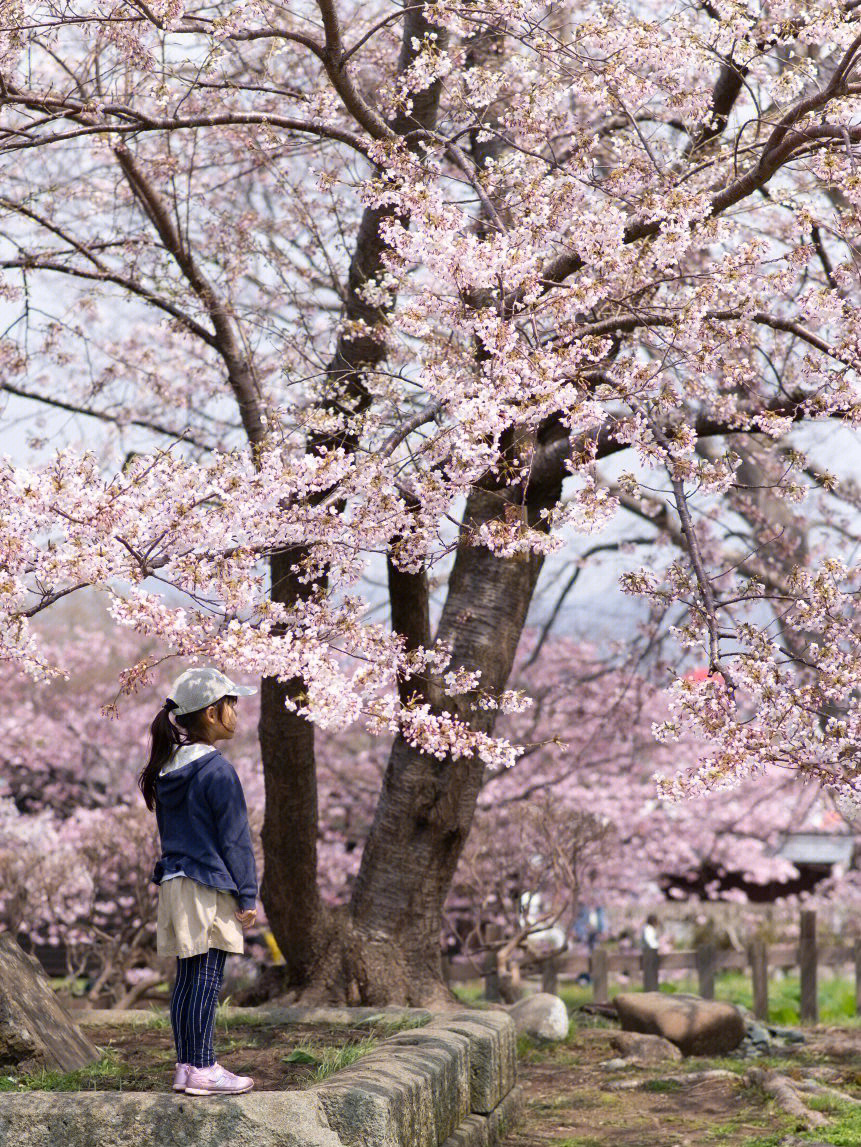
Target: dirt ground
[569, 1100]
[572, 1098]
[146, 1056]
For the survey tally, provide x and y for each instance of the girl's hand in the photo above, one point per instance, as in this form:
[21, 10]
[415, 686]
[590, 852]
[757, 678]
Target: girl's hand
[247, 918]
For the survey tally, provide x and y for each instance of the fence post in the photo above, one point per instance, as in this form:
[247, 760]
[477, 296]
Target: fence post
[807, 962]
[759, 976]
[651, 963]
[550, 975]
[491, 976]
[706, 958]
[598, 968]
[858, 977]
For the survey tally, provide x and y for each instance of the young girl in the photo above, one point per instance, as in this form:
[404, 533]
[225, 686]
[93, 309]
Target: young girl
[206, 875]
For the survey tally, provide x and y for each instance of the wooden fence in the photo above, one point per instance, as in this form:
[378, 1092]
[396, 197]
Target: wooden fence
[706, 961]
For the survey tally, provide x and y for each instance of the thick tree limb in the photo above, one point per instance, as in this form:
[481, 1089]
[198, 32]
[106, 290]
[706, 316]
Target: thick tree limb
[135, 122]
[409, 598]
[239, 370]
[602, 441]
[628, 323]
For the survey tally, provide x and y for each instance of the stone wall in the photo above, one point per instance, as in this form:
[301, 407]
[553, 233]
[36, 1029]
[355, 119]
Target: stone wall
[451, 1083]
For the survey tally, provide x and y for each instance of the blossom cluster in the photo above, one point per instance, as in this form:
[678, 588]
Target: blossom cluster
[530, 241]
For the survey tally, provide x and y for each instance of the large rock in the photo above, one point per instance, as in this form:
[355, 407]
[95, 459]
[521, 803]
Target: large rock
[35, 1031]
[696, 1026]
[541, 1016]
[646, 1049]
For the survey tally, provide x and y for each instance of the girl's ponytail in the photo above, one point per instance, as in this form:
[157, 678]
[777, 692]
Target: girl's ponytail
[166, 736]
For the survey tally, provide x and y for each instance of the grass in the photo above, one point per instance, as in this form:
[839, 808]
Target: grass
[843, 1131]
[223, 1021]
[327, 1060]
[73, 985]
[568, 1111]
[84, 1079]
[662, 1085]
[836, 995]
[157, 1020]
[384, 1025]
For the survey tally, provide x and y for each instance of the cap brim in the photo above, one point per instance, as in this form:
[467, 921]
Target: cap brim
[244, 690]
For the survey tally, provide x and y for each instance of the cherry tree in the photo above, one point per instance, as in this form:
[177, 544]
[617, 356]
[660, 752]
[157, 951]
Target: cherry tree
[444, 288]
[593, 756]
[77, 846]
[576, 822]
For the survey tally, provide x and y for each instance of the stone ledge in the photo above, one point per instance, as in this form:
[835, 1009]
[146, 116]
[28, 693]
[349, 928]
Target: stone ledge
[131, 1119]
[293, 1014]
[488, 1130]
[414, 1089]
[492, 1055]
[418, 1089]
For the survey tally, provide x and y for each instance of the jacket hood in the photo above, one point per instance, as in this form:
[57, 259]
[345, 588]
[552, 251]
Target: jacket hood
[171, 790]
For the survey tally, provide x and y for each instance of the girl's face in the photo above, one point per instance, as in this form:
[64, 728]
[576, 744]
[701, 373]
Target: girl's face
[219, 722]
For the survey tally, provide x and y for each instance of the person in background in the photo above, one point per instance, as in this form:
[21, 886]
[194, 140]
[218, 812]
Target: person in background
[590, 926]
[206, 874]
[649, 937]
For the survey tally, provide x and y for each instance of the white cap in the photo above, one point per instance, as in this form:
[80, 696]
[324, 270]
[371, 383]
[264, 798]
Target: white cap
[197, 688]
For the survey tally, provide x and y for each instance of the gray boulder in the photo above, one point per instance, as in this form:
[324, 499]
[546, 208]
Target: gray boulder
[35, 1031]
[696, 1026]
[646, 1049]
[541, 1016]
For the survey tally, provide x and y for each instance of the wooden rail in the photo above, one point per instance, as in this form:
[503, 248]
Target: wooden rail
[706, 961]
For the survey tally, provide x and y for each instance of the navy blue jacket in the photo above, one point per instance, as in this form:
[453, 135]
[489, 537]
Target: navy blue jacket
[203, 825]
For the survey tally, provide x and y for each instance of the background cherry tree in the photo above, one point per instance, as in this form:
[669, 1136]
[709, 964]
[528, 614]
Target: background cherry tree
[437, 289]
[576, 822]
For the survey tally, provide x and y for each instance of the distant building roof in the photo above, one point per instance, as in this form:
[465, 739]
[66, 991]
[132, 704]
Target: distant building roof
[817, 847]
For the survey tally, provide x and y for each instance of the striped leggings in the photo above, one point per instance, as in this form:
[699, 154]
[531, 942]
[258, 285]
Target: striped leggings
[192, 1006]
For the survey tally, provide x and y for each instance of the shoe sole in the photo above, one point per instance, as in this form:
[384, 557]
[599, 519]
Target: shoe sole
[214, 1091]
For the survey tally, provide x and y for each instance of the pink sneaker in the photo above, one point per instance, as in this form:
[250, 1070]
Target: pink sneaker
[181, 1076]
[216, 1080]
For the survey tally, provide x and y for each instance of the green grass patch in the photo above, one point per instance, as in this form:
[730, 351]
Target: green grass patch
[844, 1129]
[224, 1021]
[327, 1060]
[384, 1025]
[73, 985]
[836, 996]
[157, 1020]
[471, 992]
[88, 1078]
[662, 1085]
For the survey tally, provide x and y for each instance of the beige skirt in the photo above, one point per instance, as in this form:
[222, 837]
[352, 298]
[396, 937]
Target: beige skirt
[192, 918]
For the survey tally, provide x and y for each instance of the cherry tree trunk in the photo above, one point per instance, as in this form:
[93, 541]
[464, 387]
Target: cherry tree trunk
[289, 887]
[385, 946]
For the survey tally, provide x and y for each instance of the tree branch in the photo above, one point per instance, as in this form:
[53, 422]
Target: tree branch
[239, 371]
[117, 420]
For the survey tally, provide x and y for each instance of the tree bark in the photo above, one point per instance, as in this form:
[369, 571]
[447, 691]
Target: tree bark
[289, 888]
[385, 948]
[303, 929]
